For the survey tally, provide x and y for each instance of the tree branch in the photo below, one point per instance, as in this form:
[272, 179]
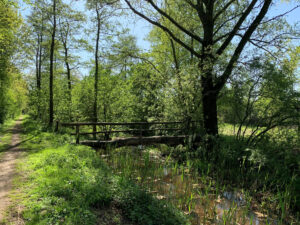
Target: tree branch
[223, 9]
[236, 27]
[163, 13]
[164, 29]
[222, 80]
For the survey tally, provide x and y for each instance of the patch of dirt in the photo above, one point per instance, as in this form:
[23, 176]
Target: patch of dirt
[8, 172]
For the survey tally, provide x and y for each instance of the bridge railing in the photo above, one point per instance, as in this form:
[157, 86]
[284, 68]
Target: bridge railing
[137, 128]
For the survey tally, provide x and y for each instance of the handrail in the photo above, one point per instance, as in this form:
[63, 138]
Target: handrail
[107, 132]
[126, 131]
[120, 123]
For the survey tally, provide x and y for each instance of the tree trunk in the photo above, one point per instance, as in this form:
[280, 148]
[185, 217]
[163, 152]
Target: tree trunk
[210, 118]
[68, 77]
[51, 66]
[39, 81]
[37, 62]
[39, 73]
[96, 73]
[209, 104]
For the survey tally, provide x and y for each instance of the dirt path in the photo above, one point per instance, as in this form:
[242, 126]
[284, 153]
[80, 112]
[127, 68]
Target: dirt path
[7, 169]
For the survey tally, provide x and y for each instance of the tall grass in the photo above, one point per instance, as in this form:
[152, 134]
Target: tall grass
[265, 176]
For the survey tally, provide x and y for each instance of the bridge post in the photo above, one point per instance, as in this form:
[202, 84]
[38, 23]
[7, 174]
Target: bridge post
[56, 126]
[77, 134]
[141, 134]
[94, 130]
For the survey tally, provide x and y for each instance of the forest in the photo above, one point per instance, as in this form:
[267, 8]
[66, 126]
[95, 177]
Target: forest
[150, 112]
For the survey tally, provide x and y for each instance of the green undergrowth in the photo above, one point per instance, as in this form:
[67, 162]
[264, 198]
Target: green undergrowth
[6, 135]
[269, 171]
[68, 184]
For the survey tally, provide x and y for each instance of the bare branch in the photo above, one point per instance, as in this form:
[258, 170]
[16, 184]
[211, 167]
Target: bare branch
[164, 29]
[263, 48]
[223, 9]
[222, 80]
[226, 21]
[280, 15]
[163, 13]
[236, 27]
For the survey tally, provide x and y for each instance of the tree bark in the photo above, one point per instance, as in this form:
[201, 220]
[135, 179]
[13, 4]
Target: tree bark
[210, 116]
[207, 60]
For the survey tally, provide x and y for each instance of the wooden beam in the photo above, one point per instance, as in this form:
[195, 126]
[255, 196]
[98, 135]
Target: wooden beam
[121, 124]
[133, 141]
[127, 131]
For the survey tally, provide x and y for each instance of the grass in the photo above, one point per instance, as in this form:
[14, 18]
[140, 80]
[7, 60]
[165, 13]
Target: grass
[272, 165]
[269, 171]
[5, 135]
[67, 184]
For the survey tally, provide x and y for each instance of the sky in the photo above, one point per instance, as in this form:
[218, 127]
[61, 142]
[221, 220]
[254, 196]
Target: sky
[141, 28]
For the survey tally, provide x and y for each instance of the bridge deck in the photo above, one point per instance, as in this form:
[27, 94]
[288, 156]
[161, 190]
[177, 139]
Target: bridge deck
[133, 141]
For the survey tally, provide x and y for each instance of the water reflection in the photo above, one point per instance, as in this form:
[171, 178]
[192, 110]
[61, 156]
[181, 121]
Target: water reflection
[196, 195]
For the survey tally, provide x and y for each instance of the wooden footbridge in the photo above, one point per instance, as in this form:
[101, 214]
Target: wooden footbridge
[103, 134]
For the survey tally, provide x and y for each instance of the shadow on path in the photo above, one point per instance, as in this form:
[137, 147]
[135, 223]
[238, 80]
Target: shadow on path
[16, 145]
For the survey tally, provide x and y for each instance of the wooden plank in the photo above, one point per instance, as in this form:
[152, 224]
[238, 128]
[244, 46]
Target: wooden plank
[121, 124]
[133, 141]
[127, 131]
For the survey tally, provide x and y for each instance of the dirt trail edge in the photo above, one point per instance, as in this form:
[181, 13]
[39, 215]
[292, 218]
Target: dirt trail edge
[7, 169]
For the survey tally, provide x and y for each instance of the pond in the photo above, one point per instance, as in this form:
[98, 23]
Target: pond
[196, 194]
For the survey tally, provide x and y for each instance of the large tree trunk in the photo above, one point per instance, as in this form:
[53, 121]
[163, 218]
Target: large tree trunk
[210, 118]
[209, 96]
[51, 66]
[210, 115]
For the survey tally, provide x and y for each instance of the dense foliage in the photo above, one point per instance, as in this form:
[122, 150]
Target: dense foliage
[12, 86]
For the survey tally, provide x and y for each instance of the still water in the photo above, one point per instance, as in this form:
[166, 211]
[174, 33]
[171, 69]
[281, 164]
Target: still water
[194, 193]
